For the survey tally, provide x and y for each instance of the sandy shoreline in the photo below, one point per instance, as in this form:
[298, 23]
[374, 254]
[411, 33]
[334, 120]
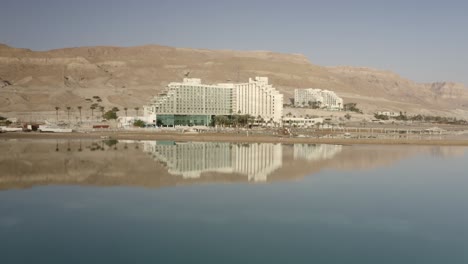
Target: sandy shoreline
[224, 137]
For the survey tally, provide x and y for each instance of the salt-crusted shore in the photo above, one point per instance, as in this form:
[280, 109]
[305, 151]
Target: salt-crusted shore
[230, 137]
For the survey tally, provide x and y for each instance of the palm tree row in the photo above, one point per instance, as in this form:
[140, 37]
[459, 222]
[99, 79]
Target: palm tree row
[92, 107]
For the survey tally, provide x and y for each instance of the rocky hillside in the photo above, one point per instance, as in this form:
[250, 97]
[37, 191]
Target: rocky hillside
[129, 77]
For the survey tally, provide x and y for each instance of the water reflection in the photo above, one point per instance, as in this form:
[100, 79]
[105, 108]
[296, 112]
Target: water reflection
[156, 164]
[191, 159]
[316, 152]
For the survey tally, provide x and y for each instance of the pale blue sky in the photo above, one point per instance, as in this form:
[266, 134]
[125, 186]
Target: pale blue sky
[421, 40]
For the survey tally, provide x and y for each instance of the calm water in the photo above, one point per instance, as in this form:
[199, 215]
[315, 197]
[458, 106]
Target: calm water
[166, 202]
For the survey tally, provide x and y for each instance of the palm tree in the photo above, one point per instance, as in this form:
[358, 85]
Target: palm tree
[102, 109]
[56, 111]
[125, 109]
[259, 119]
[250, 120]
[92, 110]
[68, 112]
[79, 109]
[136, 109]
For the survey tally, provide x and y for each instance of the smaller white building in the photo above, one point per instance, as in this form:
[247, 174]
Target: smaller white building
[323, 99]
[388, 113]
[127, 121]
[301, 122]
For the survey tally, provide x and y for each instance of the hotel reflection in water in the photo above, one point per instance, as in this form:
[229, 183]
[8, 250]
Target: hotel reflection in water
[256, 161]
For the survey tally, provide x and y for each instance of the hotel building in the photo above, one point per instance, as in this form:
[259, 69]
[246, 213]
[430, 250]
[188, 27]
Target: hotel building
[322, 98]
[193, 103]
[258, 99]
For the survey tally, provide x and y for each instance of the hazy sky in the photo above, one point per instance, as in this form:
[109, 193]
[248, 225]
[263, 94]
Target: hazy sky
[421, 40]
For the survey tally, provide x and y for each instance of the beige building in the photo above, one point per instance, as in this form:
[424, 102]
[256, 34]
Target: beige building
[190, 103]
[193, 103]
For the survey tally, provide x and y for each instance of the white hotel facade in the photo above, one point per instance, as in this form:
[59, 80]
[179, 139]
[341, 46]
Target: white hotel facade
[258, 99]
[193, 103]
[324, 98]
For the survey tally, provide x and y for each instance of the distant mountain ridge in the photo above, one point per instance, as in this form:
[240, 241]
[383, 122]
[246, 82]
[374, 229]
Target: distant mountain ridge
[130, 76]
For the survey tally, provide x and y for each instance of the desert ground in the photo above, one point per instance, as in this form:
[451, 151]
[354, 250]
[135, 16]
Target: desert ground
[128, 77]
[362, 137]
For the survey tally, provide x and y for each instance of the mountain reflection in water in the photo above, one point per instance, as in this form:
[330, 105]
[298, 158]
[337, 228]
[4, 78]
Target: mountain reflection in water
[31, 163]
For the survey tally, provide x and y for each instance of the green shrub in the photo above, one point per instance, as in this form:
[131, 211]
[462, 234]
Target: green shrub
[381, 117]
[111, 142]
[110, 115]
[352, 107]
[139, 123]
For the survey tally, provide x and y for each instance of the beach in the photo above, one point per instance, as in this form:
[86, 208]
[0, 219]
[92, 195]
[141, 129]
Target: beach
[461, 140]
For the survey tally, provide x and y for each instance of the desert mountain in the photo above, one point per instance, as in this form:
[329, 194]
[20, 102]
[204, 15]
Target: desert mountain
[130, 76]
